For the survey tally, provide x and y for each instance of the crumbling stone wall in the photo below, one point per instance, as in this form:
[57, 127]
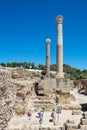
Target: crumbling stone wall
[5, 109]
[81, 85]
[23, 91]
[14, 96]
[18, 72]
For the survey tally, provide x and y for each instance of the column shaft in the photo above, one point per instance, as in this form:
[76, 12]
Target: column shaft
[48, 57]
[59, 51]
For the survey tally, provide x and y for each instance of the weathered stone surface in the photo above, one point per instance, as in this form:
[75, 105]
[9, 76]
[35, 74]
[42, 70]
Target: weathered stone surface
[18, 72]
[5, 102]
[83, 127]
[14, 96]
[82, 85]
[84, 121]
[70, 122]
[20, 109]
[76, 112]
[34, 128]
[85, 115]
[72, 107]
[71, 127]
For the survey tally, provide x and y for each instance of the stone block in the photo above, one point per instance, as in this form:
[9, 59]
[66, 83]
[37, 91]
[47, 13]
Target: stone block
[71, 127]
[70, 122]
[76, 112]
[84, 121]
[49, 85]
[85, 115]
[20, 109]
[83, 127]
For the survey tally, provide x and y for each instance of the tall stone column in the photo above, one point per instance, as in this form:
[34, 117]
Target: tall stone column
[48, 41]
[59, 51]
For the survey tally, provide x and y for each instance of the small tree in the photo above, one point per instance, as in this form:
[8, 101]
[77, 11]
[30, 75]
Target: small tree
[43, 72]
[57, 99]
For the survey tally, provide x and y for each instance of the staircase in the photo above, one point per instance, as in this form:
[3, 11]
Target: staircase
[45, 102]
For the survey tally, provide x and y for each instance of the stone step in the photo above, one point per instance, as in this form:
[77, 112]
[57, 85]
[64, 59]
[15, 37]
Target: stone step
[84, 121]
[83, 127]
[34, 97]
[34, 127]
[76, 112]
[42, 101]
[71, 126]
[46, 107]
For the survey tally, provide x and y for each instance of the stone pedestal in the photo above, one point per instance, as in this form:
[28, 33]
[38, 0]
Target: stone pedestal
[63, 84]
[49, 84]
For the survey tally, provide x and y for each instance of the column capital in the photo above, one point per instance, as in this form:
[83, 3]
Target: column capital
[59, 19]
[48, 41]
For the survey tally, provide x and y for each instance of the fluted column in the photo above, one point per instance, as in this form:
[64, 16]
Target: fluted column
[48, 41]
[59, 51]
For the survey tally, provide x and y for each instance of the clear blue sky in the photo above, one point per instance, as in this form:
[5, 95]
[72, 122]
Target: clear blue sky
[25, 25]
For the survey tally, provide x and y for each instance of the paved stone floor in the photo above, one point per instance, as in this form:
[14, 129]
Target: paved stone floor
[18, 122]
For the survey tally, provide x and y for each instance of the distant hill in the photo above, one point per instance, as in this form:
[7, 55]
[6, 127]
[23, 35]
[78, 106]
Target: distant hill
[70, 72]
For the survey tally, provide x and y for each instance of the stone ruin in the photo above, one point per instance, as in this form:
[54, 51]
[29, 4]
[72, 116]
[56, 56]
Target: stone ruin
[15, 94]
[60, 82]
[5, 110]
[81, 85]
[72, 125]
[18, 72]
[83, 121]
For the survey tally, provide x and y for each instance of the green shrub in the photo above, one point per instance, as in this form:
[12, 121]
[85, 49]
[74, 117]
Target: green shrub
[57, 99]
[43, 72]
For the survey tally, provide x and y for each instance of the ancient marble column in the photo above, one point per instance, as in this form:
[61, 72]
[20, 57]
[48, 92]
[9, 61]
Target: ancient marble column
[48, 41]
[59, 52]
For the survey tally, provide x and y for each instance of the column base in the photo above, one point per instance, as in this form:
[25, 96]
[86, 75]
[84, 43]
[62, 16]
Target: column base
[62, 83]
[59, 76]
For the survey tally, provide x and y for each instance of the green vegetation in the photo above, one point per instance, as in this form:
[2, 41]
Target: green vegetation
[43, 72]
[70, 72]
[57, 99]
[73, 73]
